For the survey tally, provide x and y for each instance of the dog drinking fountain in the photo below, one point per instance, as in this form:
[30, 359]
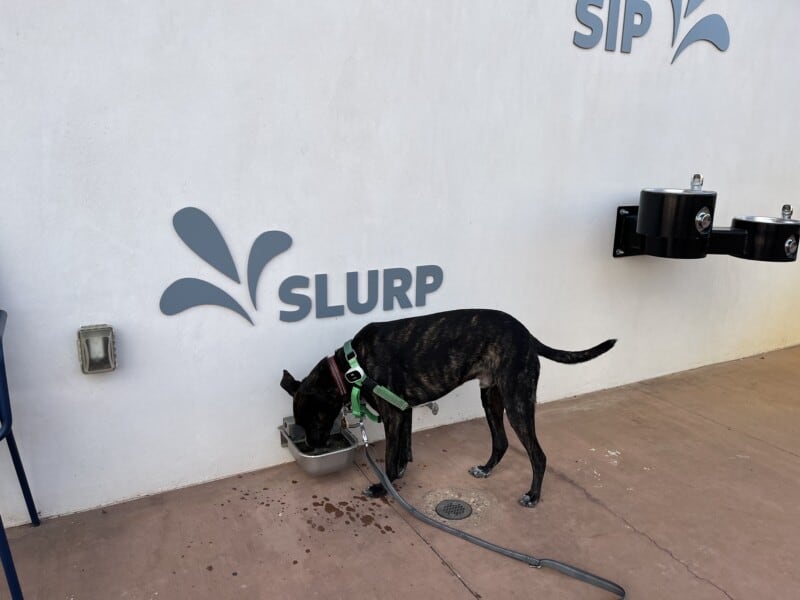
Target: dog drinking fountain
[337, 455]
[678, 223]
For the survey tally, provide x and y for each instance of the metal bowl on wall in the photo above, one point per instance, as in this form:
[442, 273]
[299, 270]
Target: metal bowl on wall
[676, 223]
[768, 238]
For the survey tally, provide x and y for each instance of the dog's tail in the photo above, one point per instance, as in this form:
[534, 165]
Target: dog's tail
[579, 356]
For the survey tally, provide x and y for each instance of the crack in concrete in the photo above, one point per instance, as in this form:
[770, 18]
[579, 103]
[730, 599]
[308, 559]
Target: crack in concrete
[408, 521]
[564, 477]
[433, 549]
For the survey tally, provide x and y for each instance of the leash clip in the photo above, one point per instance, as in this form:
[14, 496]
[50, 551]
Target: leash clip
[363, 431]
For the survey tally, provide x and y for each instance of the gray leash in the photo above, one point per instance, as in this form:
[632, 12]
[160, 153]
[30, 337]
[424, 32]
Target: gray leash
[566, 569]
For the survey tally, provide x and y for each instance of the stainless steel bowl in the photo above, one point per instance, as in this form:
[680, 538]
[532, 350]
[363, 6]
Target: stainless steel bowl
[769, 238]
[318, 461]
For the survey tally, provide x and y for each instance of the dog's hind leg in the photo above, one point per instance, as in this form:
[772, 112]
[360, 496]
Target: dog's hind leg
[521, 416]
[493, 406]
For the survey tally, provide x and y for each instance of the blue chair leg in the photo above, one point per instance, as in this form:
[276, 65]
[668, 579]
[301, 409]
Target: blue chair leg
[23, 481]
[8, 565]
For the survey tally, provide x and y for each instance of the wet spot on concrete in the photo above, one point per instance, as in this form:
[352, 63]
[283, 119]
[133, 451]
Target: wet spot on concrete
[331, 509]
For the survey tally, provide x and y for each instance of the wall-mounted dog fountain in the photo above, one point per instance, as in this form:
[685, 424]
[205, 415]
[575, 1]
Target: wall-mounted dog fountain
[676, 223]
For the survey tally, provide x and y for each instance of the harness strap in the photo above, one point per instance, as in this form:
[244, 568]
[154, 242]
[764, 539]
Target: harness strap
[359, 379]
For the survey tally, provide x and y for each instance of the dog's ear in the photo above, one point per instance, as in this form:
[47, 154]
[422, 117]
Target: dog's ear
[289, 383]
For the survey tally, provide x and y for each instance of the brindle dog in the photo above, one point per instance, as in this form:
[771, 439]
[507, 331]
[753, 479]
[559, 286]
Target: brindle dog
[423, 358]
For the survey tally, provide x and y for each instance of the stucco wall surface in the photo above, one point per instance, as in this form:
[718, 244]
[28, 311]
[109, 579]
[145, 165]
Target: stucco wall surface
[470, 135]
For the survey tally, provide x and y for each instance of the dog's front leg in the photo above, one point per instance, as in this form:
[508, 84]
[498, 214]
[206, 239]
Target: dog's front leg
[397, 448]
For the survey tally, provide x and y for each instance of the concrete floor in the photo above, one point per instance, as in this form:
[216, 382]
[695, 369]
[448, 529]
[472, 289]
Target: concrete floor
[686, 486]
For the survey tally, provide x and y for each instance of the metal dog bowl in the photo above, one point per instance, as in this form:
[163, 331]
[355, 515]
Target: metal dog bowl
[676, 223]
[318, 461]
[769, 238]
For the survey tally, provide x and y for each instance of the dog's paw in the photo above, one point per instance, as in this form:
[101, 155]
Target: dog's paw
[375, 491]
[479, 472]
[528, 502]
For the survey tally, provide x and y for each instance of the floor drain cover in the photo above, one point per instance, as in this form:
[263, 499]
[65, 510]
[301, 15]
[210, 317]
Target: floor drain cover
[453, 509]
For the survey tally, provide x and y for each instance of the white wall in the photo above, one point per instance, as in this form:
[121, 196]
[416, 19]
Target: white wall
[472, 135]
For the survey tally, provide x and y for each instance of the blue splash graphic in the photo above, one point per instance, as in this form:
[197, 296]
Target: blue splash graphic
[189, 292]
[711, 28]
[266, 247]
[199, 232]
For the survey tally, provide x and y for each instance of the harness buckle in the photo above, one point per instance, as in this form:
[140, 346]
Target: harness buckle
[355, 375]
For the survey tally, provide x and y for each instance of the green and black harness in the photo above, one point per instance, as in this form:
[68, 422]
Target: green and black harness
[359, 380]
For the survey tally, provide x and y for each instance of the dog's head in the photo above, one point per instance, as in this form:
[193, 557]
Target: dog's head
[316, 404]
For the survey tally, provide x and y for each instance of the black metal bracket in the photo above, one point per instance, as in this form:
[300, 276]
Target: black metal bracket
[752, 238]
[678, 223]
[724, 240]
[626, 241]
[728, 240]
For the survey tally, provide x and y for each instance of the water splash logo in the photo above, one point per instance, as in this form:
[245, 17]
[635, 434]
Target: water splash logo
[401, 287]
[203, 237]
[634, 17]
[711, 28]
